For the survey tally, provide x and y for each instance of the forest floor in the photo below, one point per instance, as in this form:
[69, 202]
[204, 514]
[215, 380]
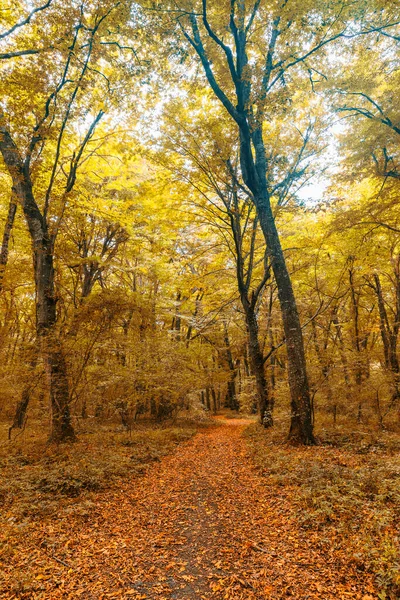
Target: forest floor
[202, 523]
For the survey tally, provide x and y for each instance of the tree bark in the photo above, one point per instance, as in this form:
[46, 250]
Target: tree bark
[248, 115]
[257, 366]
[20, 411]
[301, 427]
[360, 341]
[389, 334]
[325, 367]
[214, 397]
[231, 395]
[12, 209]
[51, 347]
[343, 358]
[46, 316]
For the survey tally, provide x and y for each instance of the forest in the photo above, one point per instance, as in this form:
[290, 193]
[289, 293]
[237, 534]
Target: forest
[199, 299]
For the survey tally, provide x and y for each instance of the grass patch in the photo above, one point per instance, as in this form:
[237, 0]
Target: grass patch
[346, 491]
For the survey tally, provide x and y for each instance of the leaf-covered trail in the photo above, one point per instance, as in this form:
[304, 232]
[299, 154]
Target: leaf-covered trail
[200, 524]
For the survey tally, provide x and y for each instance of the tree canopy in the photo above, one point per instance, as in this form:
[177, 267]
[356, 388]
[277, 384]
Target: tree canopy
[204, 189]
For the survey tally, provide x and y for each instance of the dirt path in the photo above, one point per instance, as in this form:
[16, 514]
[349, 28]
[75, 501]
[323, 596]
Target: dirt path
[201, 524]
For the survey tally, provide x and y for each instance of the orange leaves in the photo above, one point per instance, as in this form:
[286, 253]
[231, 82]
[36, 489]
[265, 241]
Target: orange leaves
[200, 525]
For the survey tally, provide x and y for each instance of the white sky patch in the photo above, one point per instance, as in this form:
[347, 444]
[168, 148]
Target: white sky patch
[314, 191]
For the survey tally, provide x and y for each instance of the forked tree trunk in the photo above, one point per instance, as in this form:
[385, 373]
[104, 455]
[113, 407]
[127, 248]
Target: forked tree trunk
[46, 316]
[254, 170]
[249, 115]
[301, 428]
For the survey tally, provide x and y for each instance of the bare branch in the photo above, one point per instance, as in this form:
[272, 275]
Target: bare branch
[252, 16]
[282, 67]
[384, 119]
[25, 21]
[197, 44]
[17, 53]
[225, 48]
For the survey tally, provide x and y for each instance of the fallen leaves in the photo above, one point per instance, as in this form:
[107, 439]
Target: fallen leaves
[201, 524]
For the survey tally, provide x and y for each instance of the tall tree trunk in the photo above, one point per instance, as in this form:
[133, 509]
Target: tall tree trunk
[31, 358]
[51, 347]
[231, 397]
[325, 370]
[46, 316]
[254, 172]
[359, 342]
[20, 411]
[343, 358]
[232, 400]
[272, 364]
[208, 403]
[301, 429]
[61, 425]
[23, 403]
[176, 319]
[257, 366]
[12, 209]
[214, 397]
[389, 335]
[248, 115]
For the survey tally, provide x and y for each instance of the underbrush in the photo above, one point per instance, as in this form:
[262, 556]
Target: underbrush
[345, 491]
[39, 480]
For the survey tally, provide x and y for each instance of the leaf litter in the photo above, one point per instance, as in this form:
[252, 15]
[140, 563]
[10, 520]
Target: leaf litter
[200, 524]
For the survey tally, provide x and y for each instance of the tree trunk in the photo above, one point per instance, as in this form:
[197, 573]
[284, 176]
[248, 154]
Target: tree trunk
[389, 337]
[176, 319]
[46, 315]
[20, 411]
[255, 176]
[231, 399]
[214, 397]
[343, 357]
[257, 366]
[272, 364]
[359, 344]
[301, 429]
[51, 347]
[12, 209]
[208, 403]
[61, 426]
[248, 114]
[23, 403]
[325, 370]
[231, 396]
